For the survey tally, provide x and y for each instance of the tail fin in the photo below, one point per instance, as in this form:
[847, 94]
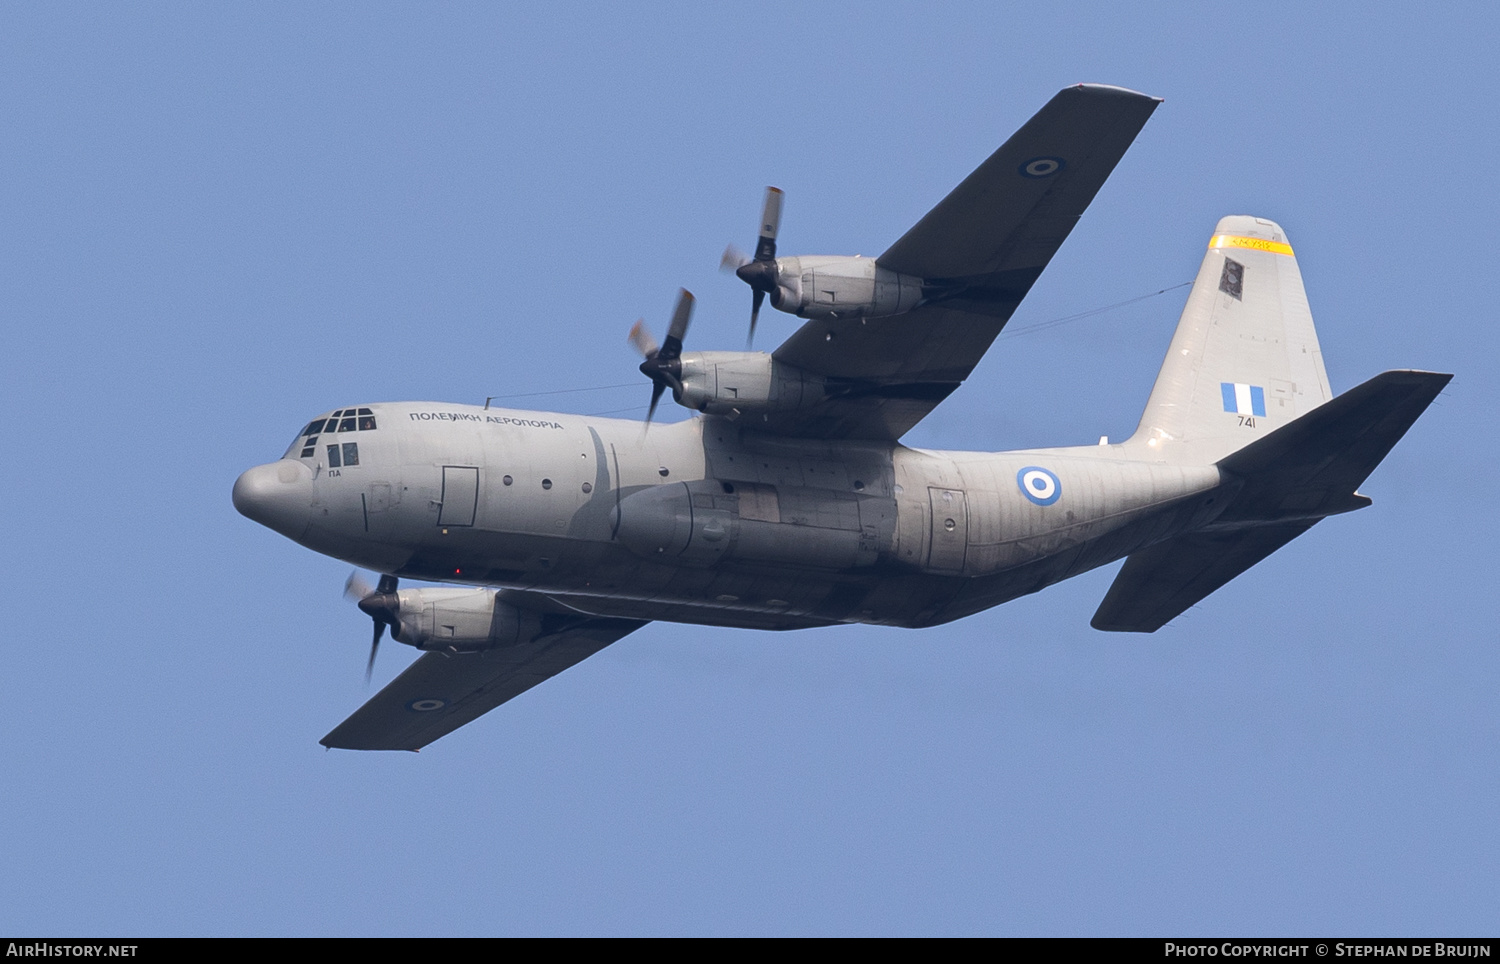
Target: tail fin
[1245, 359]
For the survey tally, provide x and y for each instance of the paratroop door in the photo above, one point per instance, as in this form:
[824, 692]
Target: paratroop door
[460, 495]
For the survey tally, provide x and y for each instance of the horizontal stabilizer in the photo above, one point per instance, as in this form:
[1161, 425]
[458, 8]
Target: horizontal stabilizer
[1284, 483]
[1158, 584]
[1310, 467]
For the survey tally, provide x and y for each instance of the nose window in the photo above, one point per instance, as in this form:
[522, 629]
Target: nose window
[343, 455]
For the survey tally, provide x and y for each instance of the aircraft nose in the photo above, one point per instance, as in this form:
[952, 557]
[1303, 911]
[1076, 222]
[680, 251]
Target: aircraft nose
[277, 495]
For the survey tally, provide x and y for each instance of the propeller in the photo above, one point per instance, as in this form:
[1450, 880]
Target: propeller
[380, 604]
[758, 272]
[663, 363]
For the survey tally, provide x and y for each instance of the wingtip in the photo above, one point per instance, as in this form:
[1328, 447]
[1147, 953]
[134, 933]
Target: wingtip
[1115, 90]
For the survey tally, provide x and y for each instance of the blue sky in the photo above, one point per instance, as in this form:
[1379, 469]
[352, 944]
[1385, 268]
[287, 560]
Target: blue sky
[217, 222]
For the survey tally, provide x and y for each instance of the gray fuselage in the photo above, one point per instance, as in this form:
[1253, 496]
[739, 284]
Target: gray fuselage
[705, 521]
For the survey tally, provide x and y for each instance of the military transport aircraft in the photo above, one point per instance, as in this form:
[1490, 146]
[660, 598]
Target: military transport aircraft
[790, 502]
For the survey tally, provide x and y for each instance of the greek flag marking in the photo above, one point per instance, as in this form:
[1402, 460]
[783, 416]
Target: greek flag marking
[1243, 399]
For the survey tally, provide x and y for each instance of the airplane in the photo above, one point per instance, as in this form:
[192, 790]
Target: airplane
[789, 502]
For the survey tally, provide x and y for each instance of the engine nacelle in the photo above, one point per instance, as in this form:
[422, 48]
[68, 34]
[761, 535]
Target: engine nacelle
[461, 620]
[825, 286]
[735, 383]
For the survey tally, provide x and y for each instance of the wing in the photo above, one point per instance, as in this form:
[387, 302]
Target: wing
[438, 693]
[979, 252]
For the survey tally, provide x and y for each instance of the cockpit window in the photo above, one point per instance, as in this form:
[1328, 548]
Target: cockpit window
[344, 420]
[340, 420]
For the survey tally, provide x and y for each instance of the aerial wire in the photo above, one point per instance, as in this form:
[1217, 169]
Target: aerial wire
[1067, 319]
[1024, 330]
[566, 391]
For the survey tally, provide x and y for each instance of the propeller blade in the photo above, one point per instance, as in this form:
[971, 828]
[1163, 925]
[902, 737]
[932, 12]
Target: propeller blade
[656, 392]
[641, 338]
[732, 258]
[374, 648]
[355, 587]
[756, 299]
[770, 224]
[681, 316]
[661, 364]
[760, 273]
[380, 604]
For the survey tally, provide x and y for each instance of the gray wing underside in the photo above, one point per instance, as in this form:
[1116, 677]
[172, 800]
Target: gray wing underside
[438, 693]
[999, 219]
[980, 250]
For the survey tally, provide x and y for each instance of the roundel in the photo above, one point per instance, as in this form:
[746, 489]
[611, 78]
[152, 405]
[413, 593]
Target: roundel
[1041, 167]
[1039, 485]
[426, 705]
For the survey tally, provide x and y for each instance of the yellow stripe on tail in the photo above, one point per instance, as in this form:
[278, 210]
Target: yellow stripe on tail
[1257, 244]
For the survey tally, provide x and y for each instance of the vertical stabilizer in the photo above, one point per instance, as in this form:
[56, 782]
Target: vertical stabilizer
[1245, 359]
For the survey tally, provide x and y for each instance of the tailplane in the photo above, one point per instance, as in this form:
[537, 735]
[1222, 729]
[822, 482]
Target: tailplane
[1280, 486]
